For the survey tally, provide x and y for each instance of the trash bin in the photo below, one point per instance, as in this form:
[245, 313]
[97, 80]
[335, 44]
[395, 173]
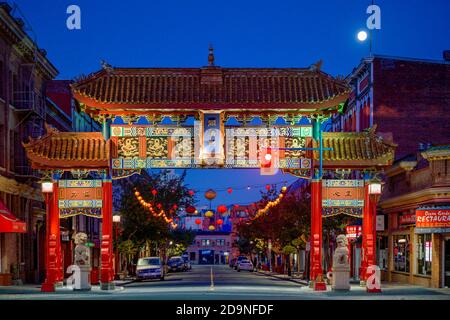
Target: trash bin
[94, 276]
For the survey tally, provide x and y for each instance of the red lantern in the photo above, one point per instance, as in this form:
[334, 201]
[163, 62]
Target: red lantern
[190, 209]
[219, 222]
[229, 190]
[154, 192]
[198, 221]
[221, 209]
[268, 187]
[191, 192]
[175, 207]
[159, 205]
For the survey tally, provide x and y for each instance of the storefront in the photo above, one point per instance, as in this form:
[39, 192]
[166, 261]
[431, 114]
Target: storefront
[433, 244]
[419, 247]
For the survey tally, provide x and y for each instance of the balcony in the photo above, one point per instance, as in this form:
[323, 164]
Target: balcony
[29, 101]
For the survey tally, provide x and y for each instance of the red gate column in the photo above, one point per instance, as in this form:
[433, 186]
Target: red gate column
[316, 273]
[107, 256]
[368, 237]
[52, 245]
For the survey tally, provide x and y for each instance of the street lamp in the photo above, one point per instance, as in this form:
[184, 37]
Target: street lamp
[375, 189]
[47, 189]
[116, 221]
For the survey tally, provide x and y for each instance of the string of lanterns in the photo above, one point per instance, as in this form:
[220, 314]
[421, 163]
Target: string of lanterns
[230, 190]
[149, 207]
[270, 204]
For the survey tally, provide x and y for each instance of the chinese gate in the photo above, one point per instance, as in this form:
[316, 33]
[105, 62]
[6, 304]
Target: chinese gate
[181, 118]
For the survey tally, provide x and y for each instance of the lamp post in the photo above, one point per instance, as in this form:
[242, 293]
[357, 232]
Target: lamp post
[116, 221]
[374, 190]
[49, 283]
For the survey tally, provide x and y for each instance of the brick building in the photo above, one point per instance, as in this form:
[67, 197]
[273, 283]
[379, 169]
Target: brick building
[24, 70]
[408, 100]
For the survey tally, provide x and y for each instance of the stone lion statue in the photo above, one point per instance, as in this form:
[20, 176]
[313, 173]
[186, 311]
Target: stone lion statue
[82, 253]
[340, 257]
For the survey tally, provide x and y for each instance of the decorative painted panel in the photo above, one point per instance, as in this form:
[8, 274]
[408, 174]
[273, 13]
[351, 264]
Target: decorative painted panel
[343, 197]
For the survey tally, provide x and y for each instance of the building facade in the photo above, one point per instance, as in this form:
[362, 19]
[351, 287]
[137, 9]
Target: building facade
[24, 71]
[407, 100]
[416, 201]
[210, 248]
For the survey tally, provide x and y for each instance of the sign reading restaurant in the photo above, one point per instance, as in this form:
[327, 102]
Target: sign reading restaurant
[433, 217]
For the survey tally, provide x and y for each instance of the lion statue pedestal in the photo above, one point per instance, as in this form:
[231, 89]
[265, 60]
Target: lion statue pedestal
[340, 279]
[83, 262]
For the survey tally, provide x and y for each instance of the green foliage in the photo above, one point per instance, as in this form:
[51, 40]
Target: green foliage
[288, 249]
[139, 226]
[282, 224]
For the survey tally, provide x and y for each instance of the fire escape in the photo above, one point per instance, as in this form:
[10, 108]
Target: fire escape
[27, 100]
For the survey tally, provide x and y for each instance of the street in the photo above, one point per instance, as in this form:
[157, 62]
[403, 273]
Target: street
[228, 284]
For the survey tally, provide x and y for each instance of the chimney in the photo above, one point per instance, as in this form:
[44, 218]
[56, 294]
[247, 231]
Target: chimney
[446, 55]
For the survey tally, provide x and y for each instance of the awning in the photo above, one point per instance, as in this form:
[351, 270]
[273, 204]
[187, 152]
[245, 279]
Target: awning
[9, 223]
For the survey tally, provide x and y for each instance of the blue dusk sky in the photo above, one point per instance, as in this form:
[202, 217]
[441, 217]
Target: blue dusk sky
[176, 33]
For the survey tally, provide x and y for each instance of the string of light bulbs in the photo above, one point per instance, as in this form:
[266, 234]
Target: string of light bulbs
[149, 206]
[270, 204]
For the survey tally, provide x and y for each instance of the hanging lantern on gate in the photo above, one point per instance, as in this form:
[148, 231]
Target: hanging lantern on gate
[209, 214]
[211, 228]
[198, 221]
[219, 222]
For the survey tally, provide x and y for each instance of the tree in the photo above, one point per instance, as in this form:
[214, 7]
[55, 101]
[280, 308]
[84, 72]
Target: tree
[139, 225]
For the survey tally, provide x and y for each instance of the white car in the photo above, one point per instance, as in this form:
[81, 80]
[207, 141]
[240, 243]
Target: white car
[245, 265]
[149, 268]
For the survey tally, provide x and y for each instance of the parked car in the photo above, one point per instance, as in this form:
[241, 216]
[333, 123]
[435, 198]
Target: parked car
[149, 268]
[187, 264]
[175, 264]
[245, 264]
[239, 259]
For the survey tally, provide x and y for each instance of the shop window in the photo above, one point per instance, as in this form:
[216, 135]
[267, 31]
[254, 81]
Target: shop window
[401, 253]
[424, 253]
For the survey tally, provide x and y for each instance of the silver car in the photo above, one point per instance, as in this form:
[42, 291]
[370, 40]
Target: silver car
[245, 264]
[149, 268]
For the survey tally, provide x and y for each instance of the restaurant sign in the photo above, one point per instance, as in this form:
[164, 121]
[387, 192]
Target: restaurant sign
[353, 232]
[77, 197]
[343, 197]
[433, 217]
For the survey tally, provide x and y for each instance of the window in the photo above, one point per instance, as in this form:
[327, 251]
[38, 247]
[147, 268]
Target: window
[424, 253]
[401, 253]
[192, 256]
[205, 242]
[220, 242]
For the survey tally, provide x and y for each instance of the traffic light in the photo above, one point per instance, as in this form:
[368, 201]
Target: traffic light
[268, 161]
[266, 158]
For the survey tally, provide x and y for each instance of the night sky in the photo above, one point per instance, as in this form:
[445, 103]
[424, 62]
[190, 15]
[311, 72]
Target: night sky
[259, 33]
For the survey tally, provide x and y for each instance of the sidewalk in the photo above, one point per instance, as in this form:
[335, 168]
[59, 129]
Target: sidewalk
[294, 277]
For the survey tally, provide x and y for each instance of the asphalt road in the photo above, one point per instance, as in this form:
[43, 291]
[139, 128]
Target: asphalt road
[226, 284]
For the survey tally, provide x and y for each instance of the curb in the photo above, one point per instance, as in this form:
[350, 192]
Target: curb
[302, 282]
